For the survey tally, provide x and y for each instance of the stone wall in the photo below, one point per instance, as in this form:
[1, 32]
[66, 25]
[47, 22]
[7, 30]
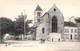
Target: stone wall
[60, 19]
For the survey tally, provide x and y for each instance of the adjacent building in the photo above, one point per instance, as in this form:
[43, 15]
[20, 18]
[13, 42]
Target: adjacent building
[78, 27]
[70, 31]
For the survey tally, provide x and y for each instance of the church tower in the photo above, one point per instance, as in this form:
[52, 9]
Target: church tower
[37, 15]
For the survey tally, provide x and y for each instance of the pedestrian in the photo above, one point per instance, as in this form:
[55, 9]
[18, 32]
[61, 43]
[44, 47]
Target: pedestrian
[43, 40]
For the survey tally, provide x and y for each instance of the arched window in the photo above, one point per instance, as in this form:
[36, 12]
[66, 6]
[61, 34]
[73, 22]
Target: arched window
[54, 24]
[43, 30]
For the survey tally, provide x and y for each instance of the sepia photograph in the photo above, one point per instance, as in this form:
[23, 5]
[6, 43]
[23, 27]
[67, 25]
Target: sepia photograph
[39, 25]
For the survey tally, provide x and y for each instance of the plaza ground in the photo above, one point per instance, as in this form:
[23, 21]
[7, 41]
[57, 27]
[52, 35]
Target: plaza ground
[37, 46]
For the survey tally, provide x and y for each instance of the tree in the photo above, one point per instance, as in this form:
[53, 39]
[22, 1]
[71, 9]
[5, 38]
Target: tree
[27, 28]
[21, 26]
[5, 26]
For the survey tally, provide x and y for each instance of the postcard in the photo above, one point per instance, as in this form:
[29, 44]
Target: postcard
[39, 25]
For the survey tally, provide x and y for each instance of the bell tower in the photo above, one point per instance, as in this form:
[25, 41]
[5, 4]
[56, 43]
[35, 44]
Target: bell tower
[37, 15]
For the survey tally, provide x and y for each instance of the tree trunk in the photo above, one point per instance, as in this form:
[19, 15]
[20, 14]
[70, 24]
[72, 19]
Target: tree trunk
[1, 38]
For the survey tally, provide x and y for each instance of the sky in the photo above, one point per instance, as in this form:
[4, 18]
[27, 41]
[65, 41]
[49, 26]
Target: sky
[12, 8]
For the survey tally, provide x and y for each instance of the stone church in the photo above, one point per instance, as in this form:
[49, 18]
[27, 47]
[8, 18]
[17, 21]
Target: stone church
[49, 26]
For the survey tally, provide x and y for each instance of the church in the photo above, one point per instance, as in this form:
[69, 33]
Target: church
[52, 27]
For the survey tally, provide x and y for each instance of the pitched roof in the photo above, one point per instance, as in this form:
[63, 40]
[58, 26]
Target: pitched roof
[45, 13]
[53, 8]
[38, 8]
[77, 20]
[70, 24]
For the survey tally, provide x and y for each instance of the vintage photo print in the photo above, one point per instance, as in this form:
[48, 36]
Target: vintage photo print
[39, 25]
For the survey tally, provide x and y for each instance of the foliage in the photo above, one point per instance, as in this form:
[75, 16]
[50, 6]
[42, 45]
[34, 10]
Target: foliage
[16, 27]
[21, 25]
[5, 26]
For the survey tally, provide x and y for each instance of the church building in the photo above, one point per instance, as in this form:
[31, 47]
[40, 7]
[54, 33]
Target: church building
[51, 26]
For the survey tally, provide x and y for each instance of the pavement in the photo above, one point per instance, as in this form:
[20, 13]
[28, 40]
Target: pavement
[37, 46]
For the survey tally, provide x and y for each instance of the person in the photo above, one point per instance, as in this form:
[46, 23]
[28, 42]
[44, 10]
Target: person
[58, 39]
[43, 40]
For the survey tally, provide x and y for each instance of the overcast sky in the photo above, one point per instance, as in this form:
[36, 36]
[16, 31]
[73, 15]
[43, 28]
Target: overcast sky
[13, 8]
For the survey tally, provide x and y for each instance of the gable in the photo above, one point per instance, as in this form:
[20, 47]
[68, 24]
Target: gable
[54, 9]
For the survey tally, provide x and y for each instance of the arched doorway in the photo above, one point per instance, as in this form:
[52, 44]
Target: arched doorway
[54, 24]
